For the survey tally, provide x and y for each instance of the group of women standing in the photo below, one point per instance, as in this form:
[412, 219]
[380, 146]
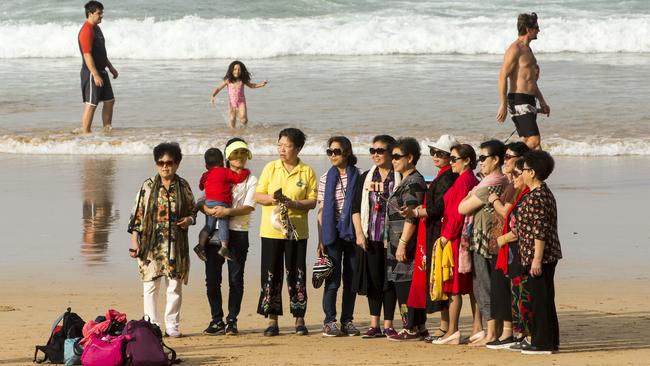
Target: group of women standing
[386, 233]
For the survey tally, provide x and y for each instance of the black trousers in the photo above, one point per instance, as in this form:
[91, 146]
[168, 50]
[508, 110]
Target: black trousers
[545, 328]
[411, 317]
[213, 276]
[500, 297]
[377, 294]
[276, 254]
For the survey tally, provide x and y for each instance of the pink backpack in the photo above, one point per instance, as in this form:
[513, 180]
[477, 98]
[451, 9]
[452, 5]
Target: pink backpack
[104, 350]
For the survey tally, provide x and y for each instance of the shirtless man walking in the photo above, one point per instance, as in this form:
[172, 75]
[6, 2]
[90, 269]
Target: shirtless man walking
[95, 83]
[520, 71]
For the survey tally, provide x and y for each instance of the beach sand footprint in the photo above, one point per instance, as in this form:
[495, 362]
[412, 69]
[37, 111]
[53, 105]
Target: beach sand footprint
[5, 308]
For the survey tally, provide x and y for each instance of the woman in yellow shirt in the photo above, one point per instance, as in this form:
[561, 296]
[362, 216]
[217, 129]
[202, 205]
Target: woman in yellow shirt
[295, 184]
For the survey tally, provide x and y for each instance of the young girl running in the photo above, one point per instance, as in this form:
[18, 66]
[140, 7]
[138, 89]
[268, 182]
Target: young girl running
[235, 79]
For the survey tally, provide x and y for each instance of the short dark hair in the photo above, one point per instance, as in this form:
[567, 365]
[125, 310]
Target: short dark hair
[213, 157]
[466, 151]
[386, 139]
[296, 136]
[541, 162]
[93, 6]
[518, 147]
[346, 146]
[495, 148]
[409, 146]
[172, 149]
[526, 21]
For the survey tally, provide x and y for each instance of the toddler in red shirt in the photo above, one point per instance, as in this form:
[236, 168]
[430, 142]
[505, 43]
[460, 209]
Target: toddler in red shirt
[217, 182]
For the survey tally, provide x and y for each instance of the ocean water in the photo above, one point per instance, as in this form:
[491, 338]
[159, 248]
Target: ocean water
[357, 68]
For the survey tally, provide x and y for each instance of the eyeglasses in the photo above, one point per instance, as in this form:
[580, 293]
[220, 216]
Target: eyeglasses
[165, 163]
[482, 158]
[508, 156]
[524, 169]
[453, 159]
[516, 174]
[398, 156]
[438, 153]
[378, 151]
[335, 152]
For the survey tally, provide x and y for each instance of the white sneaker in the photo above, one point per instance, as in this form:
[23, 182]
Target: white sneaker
[174, 333]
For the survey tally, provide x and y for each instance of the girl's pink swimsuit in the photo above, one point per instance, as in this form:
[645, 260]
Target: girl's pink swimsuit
[236, 94]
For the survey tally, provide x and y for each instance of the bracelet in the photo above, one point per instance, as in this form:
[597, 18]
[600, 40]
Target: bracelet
[417, 212]
[402, 242]
[494, 200]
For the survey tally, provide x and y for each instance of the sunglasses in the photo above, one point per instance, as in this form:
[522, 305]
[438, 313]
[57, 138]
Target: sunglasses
[438, 153]
[482, 158]
[335, 152]
[453, 159]
[165, 163]
[378, 151]
[398, 156]
[508, 157]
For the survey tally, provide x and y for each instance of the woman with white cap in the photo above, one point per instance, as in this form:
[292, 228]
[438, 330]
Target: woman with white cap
[243, 203]
[430, 214]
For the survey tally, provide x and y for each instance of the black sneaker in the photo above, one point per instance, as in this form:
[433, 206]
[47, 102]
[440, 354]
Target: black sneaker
[215, 328]
[272, 331]
[501, 344]
[349, 329]
[529, 349]
[225, 252]
[302, 330]
[200, 252]
[231, 328]
[519, 343]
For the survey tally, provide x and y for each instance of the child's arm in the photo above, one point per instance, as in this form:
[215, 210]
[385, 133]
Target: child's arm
[239, 177]
[257, 85]
[217, 90]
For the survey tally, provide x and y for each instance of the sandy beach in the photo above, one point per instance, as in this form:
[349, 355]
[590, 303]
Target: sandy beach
[53, 263]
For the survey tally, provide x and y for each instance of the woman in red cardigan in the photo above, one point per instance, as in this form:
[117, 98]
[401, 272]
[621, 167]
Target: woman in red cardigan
[463, 162]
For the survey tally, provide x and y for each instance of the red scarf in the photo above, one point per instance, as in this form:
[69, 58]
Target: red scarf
[502, 257]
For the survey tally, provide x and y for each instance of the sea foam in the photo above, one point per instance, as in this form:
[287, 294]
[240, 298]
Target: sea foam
[196, 144]
[193, 37]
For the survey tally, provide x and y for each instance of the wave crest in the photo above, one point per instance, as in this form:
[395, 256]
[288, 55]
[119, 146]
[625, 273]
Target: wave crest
[199, 38]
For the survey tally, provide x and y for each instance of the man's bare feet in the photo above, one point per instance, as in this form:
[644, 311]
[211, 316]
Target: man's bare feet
[79, 131]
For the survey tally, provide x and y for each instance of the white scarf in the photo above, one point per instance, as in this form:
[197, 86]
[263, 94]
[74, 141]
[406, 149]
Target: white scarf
[365, 206]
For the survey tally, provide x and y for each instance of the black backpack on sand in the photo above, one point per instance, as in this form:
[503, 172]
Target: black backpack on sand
[71, 327]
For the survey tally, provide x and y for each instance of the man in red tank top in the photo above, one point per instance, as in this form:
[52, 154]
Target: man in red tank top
[95, 83]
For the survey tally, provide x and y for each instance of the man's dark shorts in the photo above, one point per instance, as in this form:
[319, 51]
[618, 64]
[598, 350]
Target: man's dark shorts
[90, 92]
[523, 110]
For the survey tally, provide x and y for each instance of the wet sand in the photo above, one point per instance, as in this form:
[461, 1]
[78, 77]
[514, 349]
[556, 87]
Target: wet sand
[64, 244]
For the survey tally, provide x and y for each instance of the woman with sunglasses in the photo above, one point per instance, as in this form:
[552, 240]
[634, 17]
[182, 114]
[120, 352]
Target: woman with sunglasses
[430, 215]
[336, 234]
[162, 212]
[463, 162]
[400, 254]
[540, 250]
[500, 288]
[482, 241]
[369, 218]
[289, 182]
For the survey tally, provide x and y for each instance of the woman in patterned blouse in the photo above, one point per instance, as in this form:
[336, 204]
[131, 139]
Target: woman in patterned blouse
[163, 210]
[539, 248]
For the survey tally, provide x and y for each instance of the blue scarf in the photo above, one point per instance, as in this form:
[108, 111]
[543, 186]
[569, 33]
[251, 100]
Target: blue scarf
[343, 229]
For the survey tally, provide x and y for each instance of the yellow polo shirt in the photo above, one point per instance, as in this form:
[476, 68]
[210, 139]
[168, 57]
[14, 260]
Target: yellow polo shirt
[299, 184]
